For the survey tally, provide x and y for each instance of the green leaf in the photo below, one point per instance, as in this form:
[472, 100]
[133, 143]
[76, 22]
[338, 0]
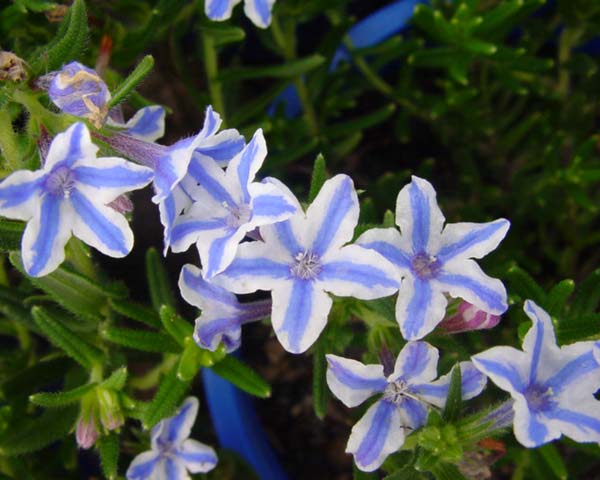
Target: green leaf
[176, 326]
[170, 392]
[242, 376]
[587, 296]
[189, 362]
[61, 399]
[143, 340]
[117, 379]
[72, 344]
[447, 471]
[454, 401]
[69, 43]
[319, 175]
[320, 390]
[158, 281]
[360, 475]
[140, 72]
[290, 69]
[553, 458]
[73, 291]
[30, 379]
[136, 311]
[35, 434]
[108, 448]
[524, 285]
[582, 327]
[361, 123]
[557, 297]
[222, 34]
[11, 232]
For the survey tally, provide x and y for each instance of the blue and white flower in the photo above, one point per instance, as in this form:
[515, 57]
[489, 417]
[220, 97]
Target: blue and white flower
[553, 387]
[147, 124]
[227, 205]
[303, 258]
[259, 11]
[407, 395]
[222, 314]
[433, 262]
[69, 196]
[173, 454]
[213, 146]
[79, 90]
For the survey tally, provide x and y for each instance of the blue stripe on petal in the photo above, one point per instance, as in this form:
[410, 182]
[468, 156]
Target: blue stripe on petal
[432, 390]
[207, 290]
[174, 470]
[415, 412]
[247, 163]
[504, 370]
[391, 252]
[271, 206]
[14, 195]
[176, 423]
[215, 254]
[262, 267]
[216, 9]
[536, 430]
[582, 421]
[262, 9]
[374, 441]
[209, 183]
[183, 229]
[112, 177]
[197, 457]
[341, 204]
[538, 331]
[418, 357]
[492, 298]
[354, 381]
[107, 232]
[472, 238]
[365, 275]
[298, 313]
[287, 238]
[74, 153]
[570, 372]
[143, 470]
[223, 151]
[419, 204]
[149, 123]
[49, 228]
[417, 308]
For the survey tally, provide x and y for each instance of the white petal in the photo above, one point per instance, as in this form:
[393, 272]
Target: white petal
[198, 458]
[353, 382]
[144, 466]
[20, 194]
[219, 9]
[70, 146]
[259, 11]
[175, 429]
[416, 363]
[471, 240]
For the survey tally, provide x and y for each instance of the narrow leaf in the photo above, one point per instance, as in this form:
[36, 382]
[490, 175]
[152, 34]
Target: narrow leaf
[361, 123]
[557, 297]
[143, 340]
[291, 69]
[158, 281]
[117, 379]
[587, 296]
[136, 311]
[525, 286]
[319, 175]
[454, 401]
[108, 448]
[242, 376]
[61, 399]
[72, 344]
[553, 458]
[11, 232]
[176, 326]
[140, 72]
[169, 395]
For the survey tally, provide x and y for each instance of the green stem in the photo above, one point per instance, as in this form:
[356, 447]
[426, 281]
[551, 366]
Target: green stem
[54, 122]
[289, 53]
[82, 260]
[568, 39]
[211, 65]
[8, 145]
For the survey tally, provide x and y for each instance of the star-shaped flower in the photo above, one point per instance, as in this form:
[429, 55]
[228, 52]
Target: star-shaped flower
[433, 262]
[213, 146]
[259, 11]
[303, 258]
[173, 454]
[408, 393]
[68, 195]
[553, 387]
[228, 205]
[222, 314]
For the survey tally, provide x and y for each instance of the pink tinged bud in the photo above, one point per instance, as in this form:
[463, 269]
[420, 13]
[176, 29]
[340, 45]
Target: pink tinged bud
[468, 318]
[111, 415]
[122, 204]
[86, 433]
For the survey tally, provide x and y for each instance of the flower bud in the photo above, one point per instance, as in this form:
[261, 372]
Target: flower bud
[12, 68]
[79, 90]
[111, 415]
[469, 317]
[86, 433]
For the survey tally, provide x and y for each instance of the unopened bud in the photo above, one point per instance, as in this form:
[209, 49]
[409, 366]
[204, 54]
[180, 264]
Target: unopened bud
[467, 318]
[12, 68]
[111, 415]
[86, 433]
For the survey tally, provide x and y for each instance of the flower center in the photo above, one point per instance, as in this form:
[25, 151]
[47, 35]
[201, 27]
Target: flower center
[60, 181]
[425, 266]
[238, 215]
[307, 266]
[539, 398]
[395, 392]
